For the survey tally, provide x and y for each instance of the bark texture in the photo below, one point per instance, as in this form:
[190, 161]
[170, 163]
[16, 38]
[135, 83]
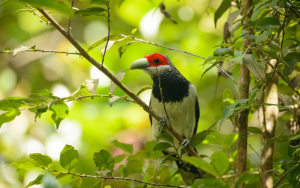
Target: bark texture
[243, 94]
[270, 119]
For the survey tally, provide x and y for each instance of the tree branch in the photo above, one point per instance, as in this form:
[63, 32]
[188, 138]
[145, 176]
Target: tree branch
[114, 79]
[280, 179]
[39, 50]
[113, 178]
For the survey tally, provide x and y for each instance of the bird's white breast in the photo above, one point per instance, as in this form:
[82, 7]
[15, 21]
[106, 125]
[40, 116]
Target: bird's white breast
[181, 115]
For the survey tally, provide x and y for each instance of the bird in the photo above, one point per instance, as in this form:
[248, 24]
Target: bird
[174, 98]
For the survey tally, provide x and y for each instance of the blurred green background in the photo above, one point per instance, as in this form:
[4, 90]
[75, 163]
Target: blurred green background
[92, 123]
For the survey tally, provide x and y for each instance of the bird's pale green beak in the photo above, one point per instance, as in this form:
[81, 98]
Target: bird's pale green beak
[140, 64]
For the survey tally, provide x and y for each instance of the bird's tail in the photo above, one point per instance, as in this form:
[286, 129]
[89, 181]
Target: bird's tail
[189, 173]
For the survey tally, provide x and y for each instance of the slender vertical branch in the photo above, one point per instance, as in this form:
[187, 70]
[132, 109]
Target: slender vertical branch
[69, 24]
[243, 94]
[108, 25]
[270, 119]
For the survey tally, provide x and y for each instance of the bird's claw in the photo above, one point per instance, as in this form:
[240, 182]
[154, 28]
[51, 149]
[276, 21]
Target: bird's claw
[162, 123]
[185, 142]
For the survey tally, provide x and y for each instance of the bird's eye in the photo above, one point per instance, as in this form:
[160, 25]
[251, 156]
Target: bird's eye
[156, 60]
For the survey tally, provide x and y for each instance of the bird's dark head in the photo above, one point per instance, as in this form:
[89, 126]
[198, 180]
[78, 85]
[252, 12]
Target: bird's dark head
[153, 63]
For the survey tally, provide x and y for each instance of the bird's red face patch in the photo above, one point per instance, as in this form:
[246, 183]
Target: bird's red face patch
[156, 60]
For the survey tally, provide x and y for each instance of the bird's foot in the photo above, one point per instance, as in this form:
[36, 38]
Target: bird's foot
[185, 142]
[161, 124]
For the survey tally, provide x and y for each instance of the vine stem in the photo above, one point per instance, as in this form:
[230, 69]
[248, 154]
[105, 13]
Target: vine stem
[173, 49]
[114, 79]
[114, 178]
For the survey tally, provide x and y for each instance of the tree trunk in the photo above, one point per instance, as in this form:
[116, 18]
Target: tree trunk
[243, 94]
[270, 119]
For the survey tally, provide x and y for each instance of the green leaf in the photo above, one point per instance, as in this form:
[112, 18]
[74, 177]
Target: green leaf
[38, 180]
[77, 90]
[104, 159]
[249, 37]
[295, 40]
[8, 116]
[254, 67]
[133, 31]
[262, 37]
[143, 89]
[232, 16]
[244, 178]
[125, 147]
[124, 47]
[212, 66]
[161, 146]
[230, 139]
[220, 161]
[133, 166]
[50, 182]
[201, 164]
[238, 59]
[281, 138]
[159, 161]
[223, 51]
[42, 160]
[119, 158]
[43, 93]
[25, 166]
[60, 112]
[199, 137]
[120, 75]
[209, 183]
[103, 172]
[269, 21]
[295, 137]
[231, 109]
[255, 130]
[101, 41]
[56, 5]
[98, 184]
[76, 183]
[221, 10]
[69, 157]
[288, 70]
[93, 11]
[92, 85]
[166, 137]
[114, 99]
[99, 2]
[252, 97]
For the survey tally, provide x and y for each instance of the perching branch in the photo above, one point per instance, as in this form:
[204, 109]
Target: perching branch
[113, 178]
[189, 53]
[114, 79]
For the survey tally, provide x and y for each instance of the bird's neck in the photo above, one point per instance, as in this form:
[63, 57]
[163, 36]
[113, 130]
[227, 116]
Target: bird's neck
[174, 86]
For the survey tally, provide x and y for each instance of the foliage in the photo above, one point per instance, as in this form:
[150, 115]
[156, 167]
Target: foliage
[274, 35]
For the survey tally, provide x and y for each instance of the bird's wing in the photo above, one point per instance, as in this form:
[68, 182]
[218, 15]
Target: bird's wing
[197, 115]
[150, 117]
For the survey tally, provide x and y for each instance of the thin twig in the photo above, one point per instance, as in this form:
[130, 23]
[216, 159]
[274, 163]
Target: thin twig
[114, 178]
[114, 79]
[69, 25]
[280, 179]
[39, 50]
[253, 150]
[76, 98]
[108, 25]
[284, 79]
[37, 14]
[143, 41]
[294, 8]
